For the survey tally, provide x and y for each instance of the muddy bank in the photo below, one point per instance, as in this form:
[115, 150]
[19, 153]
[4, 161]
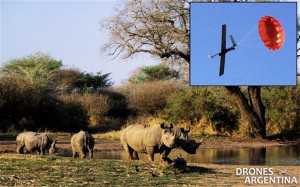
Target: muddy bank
[110, 145]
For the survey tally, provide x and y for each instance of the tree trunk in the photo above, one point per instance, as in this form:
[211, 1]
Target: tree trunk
[253, 111]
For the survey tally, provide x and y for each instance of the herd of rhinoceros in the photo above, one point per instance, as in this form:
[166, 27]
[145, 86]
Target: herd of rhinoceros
[134, 139]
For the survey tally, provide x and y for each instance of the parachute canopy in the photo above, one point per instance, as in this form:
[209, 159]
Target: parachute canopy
[271, 32]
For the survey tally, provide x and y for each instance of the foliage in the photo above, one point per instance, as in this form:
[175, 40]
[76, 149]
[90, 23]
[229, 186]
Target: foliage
[94, 105]
[31, 92]
[36, 69]
[282, 108]
[63, 80]
[56, 114]
[149, 97]
[17, 100]
[153, 73]
[91, 82]
[24, 108]
[194, 103]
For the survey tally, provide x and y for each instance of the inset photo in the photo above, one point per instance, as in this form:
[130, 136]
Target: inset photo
[236, 44]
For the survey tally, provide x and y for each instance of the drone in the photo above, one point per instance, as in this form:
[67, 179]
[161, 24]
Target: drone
[224, 50]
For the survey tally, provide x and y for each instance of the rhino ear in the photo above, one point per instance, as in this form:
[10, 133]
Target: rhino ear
[187, 131]
[182, 130]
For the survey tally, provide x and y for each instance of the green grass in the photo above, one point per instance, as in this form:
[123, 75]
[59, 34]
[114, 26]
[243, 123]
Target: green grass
[32, 170]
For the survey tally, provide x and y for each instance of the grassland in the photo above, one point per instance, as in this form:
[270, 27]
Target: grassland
[32, 170]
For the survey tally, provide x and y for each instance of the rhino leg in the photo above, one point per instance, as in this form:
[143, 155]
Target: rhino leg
[128, 151]
[42, 151]
[165, 153]
[20, 147]
[150, 152]
[82, 153]
[74, 154]
[135, 155]
[90, 153]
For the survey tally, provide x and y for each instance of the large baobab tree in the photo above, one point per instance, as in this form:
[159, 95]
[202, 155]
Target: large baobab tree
[161, 28]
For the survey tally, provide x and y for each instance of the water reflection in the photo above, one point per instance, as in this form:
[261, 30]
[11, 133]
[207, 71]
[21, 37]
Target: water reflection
[286, 155]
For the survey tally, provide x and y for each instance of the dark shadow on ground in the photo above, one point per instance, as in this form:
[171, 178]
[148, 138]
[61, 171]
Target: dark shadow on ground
[199, 170]
[288, 136]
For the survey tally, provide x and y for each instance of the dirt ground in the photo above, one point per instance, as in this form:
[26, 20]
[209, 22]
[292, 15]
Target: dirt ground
[104, 145]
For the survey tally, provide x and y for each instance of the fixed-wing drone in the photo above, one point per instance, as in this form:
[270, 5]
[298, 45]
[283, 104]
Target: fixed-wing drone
[224, 50]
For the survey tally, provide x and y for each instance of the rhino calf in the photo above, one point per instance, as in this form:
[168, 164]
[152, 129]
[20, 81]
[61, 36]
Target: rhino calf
[31, 141]
[82, 143]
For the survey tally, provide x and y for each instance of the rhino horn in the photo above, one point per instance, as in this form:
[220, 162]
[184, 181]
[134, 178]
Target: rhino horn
[201, 140]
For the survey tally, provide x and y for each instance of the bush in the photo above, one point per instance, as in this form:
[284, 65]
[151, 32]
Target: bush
[95, 106]
[150, 97]
[17, 102]
[59, 115]
[23, 107]
[282, 108]
[194, 103]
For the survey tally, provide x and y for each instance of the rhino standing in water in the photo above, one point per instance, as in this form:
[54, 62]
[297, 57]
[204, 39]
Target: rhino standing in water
[31, 141]
[82, 143]
[150, 140]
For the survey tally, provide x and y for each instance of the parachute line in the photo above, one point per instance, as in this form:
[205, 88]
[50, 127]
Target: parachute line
[246, 35]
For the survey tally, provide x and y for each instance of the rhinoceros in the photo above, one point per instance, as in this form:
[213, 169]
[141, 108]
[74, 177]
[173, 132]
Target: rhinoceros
[81, 143]
[31, 141]
[183, 141]
[150, 140]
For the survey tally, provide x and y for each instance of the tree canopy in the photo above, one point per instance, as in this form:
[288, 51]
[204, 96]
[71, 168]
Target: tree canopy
[160, 28]
[37, 68]
[153, 73]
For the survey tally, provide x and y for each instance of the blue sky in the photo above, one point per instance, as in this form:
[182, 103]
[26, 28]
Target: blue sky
[251, 63]
[66, 30]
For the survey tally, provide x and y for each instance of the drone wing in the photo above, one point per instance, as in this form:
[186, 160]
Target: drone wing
[222, 65]
[223, 49]
[223, 44]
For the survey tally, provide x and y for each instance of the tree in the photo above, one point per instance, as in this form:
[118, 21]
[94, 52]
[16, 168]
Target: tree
[161, 28]
[37, 69]
[68, 80]
[153, 73]
[90, 81]
[27, 98]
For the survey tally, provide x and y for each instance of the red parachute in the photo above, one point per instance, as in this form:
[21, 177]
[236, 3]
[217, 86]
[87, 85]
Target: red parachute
[271, 32]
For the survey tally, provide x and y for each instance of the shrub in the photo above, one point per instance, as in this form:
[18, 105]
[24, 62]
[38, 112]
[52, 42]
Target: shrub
[59, 115]
[94, 105]
[149, 97]
[194, 103]
[18, 100]
[282, 108]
